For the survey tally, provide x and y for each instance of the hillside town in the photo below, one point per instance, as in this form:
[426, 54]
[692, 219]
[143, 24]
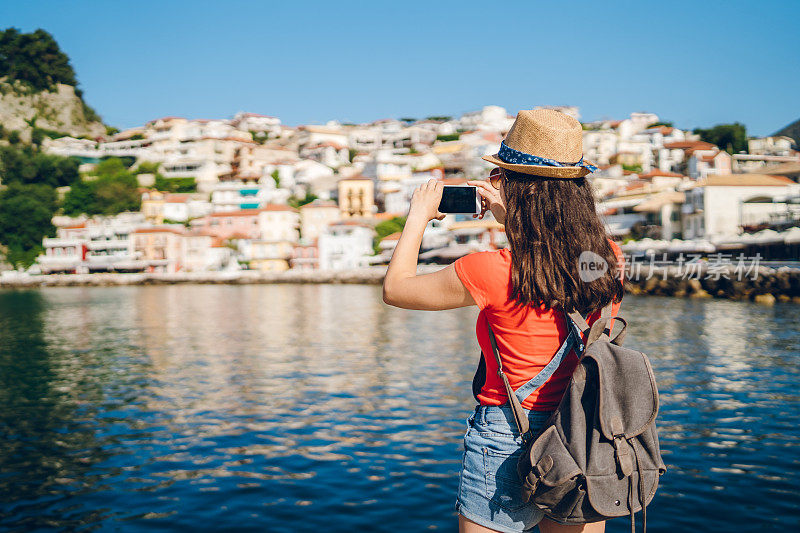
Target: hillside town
[270, 197]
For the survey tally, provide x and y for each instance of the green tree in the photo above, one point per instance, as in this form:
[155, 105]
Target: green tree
[385, 228]
[114, 190]
[277, 177]
[80, 199]
[26, 212]
[632, 168]
[296, 202]
[178, 185]
[27, 165]
[730, 137]
[117, 193]
[451, 137]
[148, 167]
[13, 137]
[35, 59]
[37, 136]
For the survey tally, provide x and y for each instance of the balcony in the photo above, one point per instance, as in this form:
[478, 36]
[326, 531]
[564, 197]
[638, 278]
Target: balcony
[57, 242]
[108, 259]
[111, 244]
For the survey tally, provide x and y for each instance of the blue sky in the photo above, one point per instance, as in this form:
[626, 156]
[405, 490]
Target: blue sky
[694, 63]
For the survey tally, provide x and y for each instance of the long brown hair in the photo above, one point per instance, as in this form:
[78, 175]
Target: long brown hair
[550, 222]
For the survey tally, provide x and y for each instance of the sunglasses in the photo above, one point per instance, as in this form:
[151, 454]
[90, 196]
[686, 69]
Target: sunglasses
[495, 176]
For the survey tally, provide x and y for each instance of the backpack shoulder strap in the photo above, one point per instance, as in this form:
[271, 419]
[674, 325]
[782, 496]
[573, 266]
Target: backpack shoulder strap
[601, 326]
[519, 416]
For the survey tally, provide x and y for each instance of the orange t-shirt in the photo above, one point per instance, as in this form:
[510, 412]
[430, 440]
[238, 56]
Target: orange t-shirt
[527, 337]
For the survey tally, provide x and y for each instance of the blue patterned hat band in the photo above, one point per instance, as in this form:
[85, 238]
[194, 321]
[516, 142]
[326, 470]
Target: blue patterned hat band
[515, 157]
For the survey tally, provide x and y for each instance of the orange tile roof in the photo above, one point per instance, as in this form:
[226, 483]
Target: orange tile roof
[177, 198]
[634, 186]
[166, 118]
[278, 207]
[660, 173]
[689, 145]
[745, 180]
[239, 213]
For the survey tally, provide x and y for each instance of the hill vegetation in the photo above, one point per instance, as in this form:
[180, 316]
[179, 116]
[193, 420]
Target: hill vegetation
[730, 137]
[34, 59]
[39, 99]
[39, 96]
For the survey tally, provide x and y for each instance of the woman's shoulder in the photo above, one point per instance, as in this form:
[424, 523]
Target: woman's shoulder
[615, 247]
[617, 252]
[487, 259]
[485, 275]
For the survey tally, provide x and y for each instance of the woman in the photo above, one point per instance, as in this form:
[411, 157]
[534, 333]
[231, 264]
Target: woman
[542, 197]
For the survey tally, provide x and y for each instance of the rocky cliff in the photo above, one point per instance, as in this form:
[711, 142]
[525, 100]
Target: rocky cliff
[58, 110]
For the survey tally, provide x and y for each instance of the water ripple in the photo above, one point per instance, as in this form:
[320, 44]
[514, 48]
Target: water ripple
[292, 408]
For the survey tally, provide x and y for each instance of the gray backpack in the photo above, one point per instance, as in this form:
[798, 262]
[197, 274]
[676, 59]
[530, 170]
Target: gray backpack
[597, 457]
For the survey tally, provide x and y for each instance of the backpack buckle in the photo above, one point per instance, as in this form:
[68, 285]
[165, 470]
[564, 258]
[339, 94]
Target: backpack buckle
[622, 454]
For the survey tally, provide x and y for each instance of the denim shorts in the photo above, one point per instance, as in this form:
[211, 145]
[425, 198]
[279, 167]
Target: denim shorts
[489, 488]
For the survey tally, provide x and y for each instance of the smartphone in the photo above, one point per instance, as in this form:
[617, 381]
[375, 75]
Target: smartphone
[460, 199]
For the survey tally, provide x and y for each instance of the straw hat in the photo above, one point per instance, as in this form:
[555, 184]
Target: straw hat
[544, 142]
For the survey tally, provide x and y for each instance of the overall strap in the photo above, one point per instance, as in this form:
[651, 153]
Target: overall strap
[547, 372]
[516, 398]
[601, 326]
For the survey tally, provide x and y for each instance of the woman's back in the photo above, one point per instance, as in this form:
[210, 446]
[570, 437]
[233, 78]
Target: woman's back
[527, 336]
[540, 193]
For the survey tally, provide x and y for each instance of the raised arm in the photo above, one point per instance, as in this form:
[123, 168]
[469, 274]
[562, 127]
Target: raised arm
[402, 287]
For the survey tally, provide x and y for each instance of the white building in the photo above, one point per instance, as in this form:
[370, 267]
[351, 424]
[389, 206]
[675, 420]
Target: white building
[203, 252]
[491, 117]
[714, 208]
[253, 122]
[328, 153]
[278, 223]
[383, 165]
[236, 195]
[315, 218]
[98, 244]
[780, 146]
[346, 244]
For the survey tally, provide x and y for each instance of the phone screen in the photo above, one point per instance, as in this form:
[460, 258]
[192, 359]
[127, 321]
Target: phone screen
[458, 199]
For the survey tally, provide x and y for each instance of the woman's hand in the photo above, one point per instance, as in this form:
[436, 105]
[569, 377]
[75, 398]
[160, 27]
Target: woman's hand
[426, 199]
[490, 200]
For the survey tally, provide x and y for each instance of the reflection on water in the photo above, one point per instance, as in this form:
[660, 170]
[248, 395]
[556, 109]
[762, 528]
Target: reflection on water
[286, 408]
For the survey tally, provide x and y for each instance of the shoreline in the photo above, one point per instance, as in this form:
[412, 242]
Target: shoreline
[364, 275]
[770, 285]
